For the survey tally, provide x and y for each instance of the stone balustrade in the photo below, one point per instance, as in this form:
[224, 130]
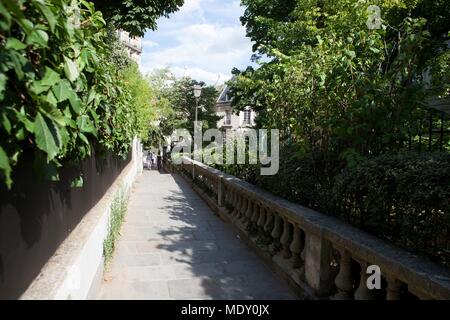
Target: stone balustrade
[322, 255]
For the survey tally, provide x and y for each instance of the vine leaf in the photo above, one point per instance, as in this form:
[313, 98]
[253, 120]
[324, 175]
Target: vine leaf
[5, 167]
[2, 85]
[51, 19]
[62, 91]
[71, 69]
[15, 44]
[75, 102]
[54, 114]
[47, 136]
[38, 38]
[85, 124]
[6, 123]
[77, 182]
[50, 77]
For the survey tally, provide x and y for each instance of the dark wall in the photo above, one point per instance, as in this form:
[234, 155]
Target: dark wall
[36, 216]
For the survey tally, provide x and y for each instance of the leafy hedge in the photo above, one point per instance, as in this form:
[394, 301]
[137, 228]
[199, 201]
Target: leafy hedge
[58, 90]
[403, 198]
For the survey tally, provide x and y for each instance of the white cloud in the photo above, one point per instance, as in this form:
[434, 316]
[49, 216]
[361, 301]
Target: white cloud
[149, 43]
[191, 6]
[196, 40]
[201, 75]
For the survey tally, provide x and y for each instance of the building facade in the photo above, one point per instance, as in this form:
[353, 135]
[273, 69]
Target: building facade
[229, 120]
[133, 45]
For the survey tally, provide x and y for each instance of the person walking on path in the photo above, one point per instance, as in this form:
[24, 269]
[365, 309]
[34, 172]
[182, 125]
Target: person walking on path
[159, 162]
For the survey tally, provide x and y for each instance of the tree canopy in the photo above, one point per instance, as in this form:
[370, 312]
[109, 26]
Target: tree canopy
[336, 84]
[176, 104]
[136, 16]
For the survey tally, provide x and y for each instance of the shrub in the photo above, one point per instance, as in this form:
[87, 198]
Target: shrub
[403, 198]
[306, 179]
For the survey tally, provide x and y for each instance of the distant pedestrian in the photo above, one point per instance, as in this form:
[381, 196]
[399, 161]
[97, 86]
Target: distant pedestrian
[149, 160]
[159, 162]
[153, 159]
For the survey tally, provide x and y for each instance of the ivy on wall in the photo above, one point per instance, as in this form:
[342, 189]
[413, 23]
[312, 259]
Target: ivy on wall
[59, 92]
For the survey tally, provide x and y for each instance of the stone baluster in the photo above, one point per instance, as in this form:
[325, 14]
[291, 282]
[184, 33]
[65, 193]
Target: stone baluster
[297, 247]
[248, 212]
[237, 202]
[226, 191]
[344, 281]
[286, 239]
[213, 184]
[262, 217]
[277, 228]
[303, 259]
[393, 290]
[243, 206]
[207, 179]
[254, 216]
[362, 292]
[269, 222]
[318, 263]
[229, 195]
[220, 192]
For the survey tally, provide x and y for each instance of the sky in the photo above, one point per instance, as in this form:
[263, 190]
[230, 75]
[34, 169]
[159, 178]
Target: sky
[203, 40]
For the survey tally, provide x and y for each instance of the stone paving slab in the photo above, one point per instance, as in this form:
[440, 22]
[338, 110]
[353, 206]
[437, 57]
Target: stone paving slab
[172, 246]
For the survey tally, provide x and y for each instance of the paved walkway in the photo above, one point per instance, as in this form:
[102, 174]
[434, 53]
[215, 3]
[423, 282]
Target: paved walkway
[172, 246]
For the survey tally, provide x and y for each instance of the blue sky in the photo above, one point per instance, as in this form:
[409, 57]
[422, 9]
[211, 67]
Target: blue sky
[203, 40]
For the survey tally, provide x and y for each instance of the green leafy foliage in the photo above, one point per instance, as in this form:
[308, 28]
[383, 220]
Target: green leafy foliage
[403, 198]
[175, 104]
[135, 16]
[60, 89]
[334, 84]
[142, 102]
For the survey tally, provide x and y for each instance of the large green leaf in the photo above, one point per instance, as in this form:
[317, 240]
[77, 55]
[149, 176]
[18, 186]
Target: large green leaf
[15, 44]
[6, 123]
[47, 136]
[5, 167]
[2, 85]
[50, 77]
[75, 102]
[5, 23]
[51, 19]
[51, 99]
[71, 69]
[23, 119]
[85, 124]
[38, 38]
[62, 91]
[54, 113]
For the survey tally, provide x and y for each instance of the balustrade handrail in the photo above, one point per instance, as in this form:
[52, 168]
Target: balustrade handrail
[424, 278]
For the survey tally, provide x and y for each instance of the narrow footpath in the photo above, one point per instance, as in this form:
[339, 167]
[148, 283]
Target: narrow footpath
[172, 246]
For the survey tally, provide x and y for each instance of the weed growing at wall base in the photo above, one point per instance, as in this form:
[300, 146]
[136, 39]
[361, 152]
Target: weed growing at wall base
[118, 211]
